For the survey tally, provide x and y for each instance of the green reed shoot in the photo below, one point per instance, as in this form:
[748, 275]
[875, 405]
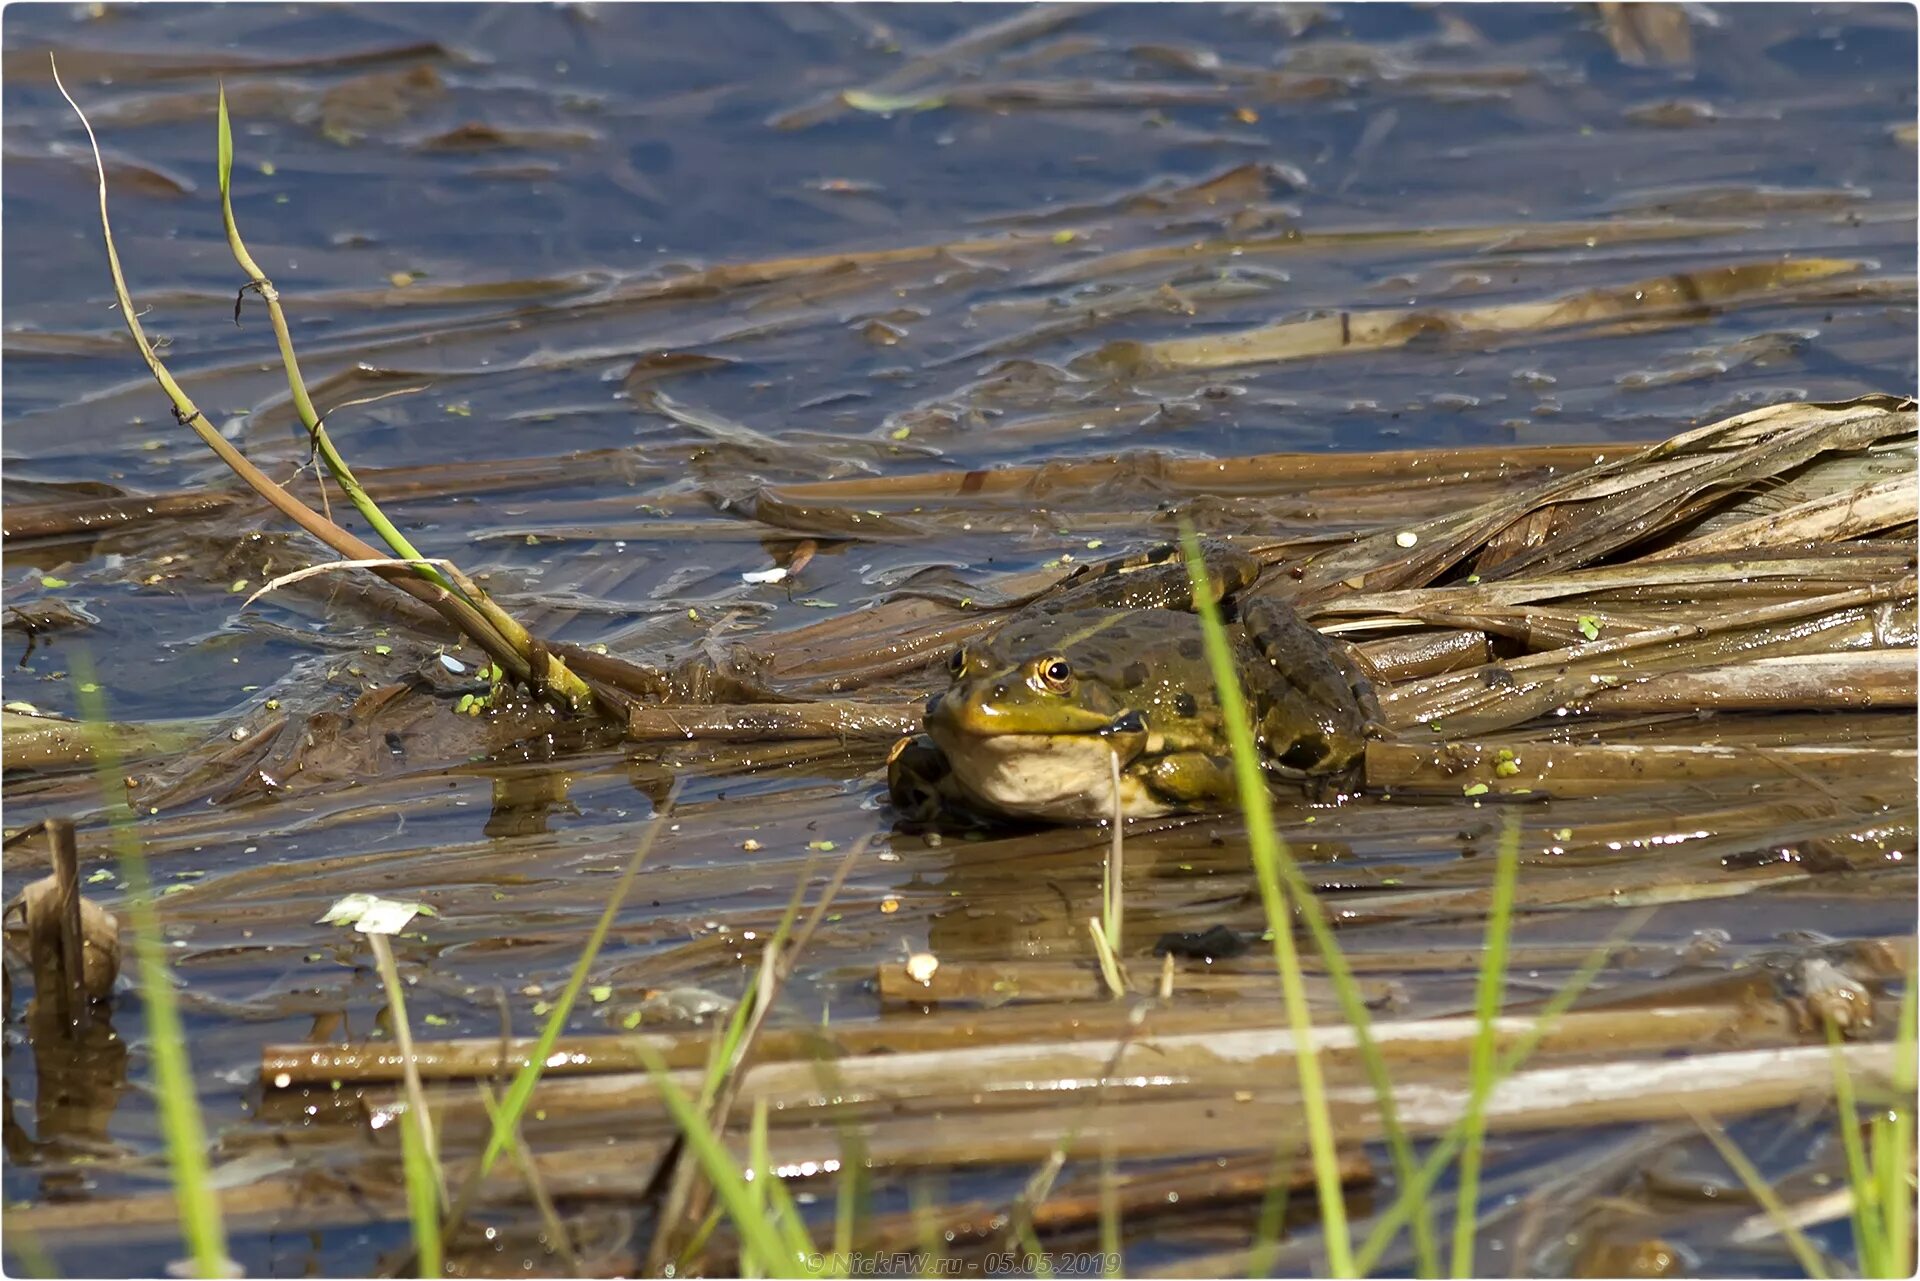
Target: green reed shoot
[1480, 1069]
[1879, 1170]
[524, 1081]
[1269, 852]
[1111, 1263]
[1272, 1219]
[296, 385]
[1756, 1184]
[1106, 930]
[773, 1245]
[426, 1180]
[1411, 1198]
[420, 1170]
[1353, 1006]
[179, 1102]
[1892, 1138]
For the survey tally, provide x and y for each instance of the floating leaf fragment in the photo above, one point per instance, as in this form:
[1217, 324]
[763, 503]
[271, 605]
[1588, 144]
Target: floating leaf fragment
[371, 914]
[885, 104]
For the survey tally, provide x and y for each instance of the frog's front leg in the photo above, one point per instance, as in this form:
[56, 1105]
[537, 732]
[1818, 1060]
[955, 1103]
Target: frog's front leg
[920, 781]
[1154, 579]
[1193, 780]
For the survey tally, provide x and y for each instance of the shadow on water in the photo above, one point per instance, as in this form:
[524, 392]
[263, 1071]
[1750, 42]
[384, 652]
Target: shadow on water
[920, 304]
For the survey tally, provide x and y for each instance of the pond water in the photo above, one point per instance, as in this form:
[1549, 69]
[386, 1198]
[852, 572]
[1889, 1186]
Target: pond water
[586, 291]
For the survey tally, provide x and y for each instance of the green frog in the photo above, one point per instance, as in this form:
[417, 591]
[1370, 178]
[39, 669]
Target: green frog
[1106, 679]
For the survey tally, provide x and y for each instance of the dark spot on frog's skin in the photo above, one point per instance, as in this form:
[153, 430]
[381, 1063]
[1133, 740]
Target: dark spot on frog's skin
[1304, 752]
[1184, 705]
[1135, 676]
[1192, 650]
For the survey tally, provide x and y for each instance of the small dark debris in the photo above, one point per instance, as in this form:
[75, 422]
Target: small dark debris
[1216, 944]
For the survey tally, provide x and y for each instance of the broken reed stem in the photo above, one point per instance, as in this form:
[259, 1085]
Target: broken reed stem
[556, 676]
[74, 1005]
[505, 641]
[302, 403]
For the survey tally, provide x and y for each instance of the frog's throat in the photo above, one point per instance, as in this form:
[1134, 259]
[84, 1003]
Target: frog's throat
[1063, 777]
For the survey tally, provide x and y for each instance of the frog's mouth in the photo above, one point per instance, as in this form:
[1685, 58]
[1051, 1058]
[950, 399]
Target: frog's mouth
[1063, 775]
[951, 720]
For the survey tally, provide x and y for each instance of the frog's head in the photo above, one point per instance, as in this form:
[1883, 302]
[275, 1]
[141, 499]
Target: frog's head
[1035, 720]
[1050, 675]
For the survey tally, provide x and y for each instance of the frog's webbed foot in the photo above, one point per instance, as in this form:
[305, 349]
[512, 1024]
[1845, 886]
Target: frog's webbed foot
[919, 779]
[1359, 675]
[1156, 578]
[1320, 704]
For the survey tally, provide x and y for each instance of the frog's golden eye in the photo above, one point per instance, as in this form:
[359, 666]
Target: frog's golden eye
[1056, 672]
[957, 661]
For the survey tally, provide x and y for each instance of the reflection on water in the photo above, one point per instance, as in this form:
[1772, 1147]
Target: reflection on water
[596, 297]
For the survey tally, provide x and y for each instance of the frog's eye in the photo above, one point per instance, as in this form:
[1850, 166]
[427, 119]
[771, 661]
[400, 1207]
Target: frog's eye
[957, 661]
[1056, 673]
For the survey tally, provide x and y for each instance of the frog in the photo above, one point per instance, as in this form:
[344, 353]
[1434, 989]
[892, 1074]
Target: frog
[1097, 698]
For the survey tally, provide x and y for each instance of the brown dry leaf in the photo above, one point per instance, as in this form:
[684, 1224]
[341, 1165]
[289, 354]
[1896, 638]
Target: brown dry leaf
[477, 135]
[1648, 34]
[1663, 298]
[355, 107]
[99, 933]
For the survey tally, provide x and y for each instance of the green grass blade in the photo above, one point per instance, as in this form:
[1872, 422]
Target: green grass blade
[1412, 1195]
[704, 1233]
[759, 1239]
[784, 1212]
[1112, 1264]
[524, 1081]
[1272, 1220]
[423, 1195]
[1869, 1236]
[426, 1181]
[180, 1122]
[1803, 1249]
[850, 1189]
[1268, 854]
[31, 1254]
[224, 156]
[1488, 995]
[1896, 1165]
[1353, 1010]
[557, 1236]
